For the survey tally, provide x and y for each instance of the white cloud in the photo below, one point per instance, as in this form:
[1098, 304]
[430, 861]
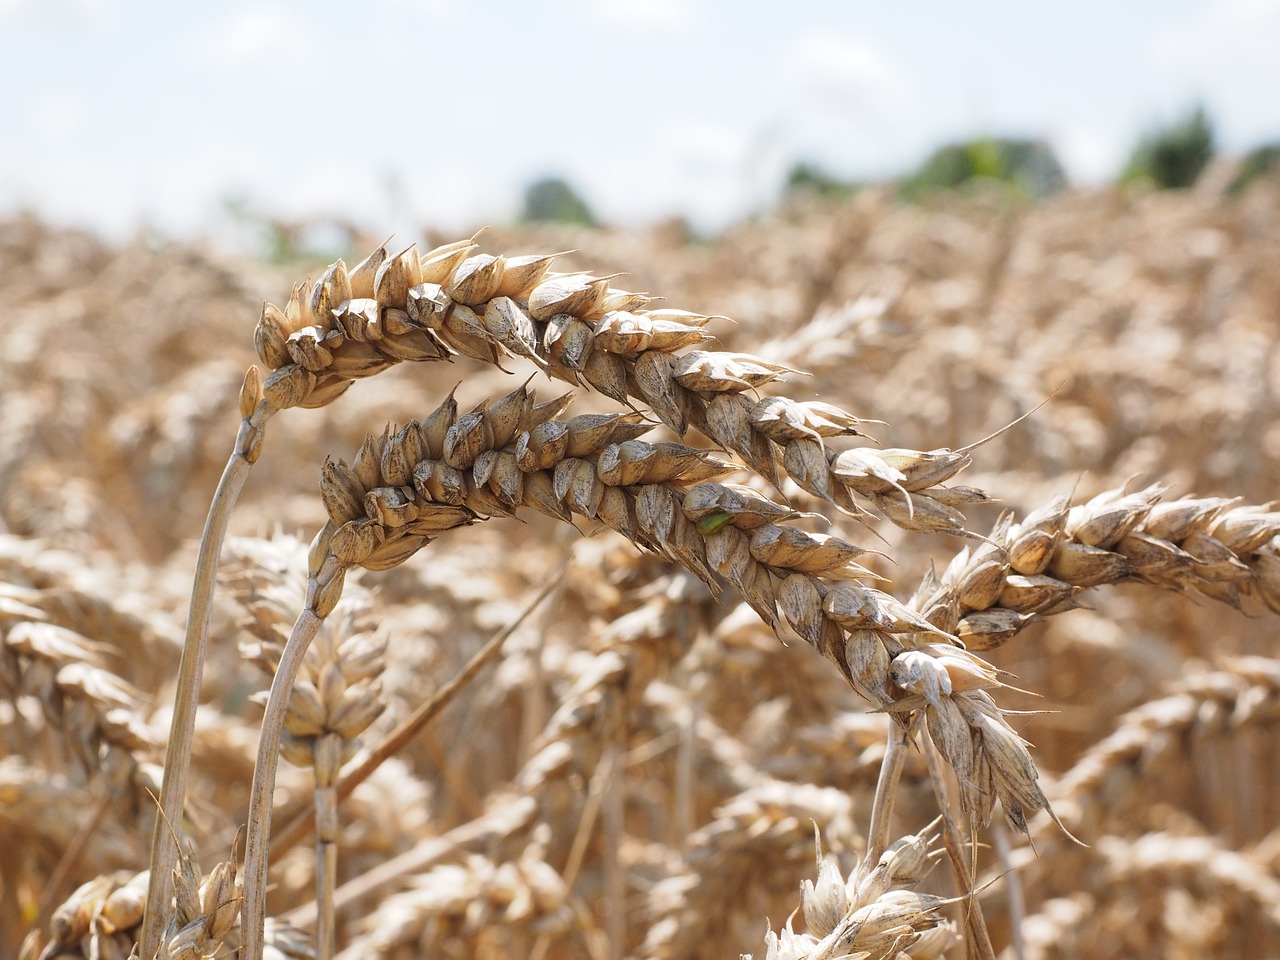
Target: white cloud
[18, 13]
[646, 14]
[253, 33]
[840, 73]
[1225, 32]
[706, 169]
[1227, 57]
[442, 9]
[59, 118]
[847, 104]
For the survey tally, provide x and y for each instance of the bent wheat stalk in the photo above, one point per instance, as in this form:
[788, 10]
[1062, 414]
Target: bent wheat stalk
[254, 413]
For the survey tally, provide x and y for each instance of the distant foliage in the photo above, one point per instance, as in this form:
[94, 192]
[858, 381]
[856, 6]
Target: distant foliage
[1173, 157]
[551, 199]
[1263, 161]
[1029, 166]
[806, 177]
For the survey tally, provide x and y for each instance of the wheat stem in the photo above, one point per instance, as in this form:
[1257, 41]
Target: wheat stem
[254, 911]
[895, 756]
[326, 878]
[164, 849]
[1013, 889]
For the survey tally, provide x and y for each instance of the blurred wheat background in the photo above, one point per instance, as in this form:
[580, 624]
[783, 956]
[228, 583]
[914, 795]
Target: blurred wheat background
[644, 768]
[1150, 316]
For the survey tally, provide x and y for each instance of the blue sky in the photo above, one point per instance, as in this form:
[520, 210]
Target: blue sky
[405, 113]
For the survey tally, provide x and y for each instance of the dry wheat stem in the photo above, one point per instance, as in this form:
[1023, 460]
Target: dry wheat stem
[879, 826]
[601, 786]
[327, 752]
[1017, 904]
[164, 850]
[329, 707]
[253, 914]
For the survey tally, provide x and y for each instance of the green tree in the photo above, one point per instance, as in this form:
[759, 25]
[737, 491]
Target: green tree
[551, 199]
[1029, 166]
[807, 177]
[1263, 161]
[1173, 157]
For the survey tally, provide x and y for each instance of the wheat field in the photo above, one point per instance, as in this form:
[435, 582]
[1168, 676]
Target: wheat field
[642, 767]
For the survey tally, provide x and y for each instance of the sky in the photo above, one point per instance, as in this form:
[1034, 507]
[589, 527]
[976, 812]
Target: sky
[408, 114]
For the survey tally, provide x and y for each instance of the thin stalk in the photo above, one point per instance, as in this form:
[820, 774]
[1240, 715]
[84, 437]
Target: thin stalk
[612, 812]
[686, 750]
[895, 757]
[327, 753]
[597, 789]
[177, 760]
[253, 915]
[326, 871]
[298, 828]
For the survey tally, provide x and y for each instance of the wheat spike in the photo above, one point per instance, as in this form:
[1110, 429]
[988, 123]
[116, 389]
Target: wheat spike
[579, 329]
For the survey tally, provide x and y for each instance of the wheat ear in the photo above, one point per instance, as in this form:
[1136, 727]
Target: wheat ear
[1035, 568]
[484, 461]
[581, 330]
[873, 913]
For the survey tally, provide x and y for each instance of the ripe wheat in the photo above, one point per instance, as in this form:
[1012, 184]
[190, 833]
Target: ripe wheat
[643, 688]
